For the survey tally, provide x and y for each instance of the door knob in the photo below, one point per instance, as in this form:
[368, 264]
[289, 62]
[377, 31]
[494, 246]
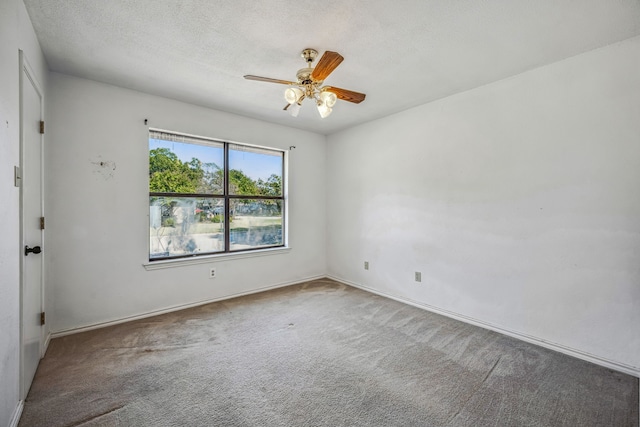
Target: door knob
[34, 250]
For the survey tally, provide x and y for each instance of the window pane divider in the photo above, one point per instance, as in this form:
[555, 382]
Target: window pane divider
[227, 208]
[235, 196]
[207, 195]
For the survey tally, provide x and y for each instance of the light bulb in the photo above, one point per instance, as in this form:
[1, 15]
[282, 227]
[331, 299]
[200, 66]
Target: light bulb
[292, 95]
[324, 110]
[328, 98]
[294, 109]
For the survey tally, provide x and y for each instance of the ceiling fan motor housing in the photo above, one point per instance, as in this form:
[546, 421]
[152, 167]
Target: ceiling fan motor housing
[304, 76]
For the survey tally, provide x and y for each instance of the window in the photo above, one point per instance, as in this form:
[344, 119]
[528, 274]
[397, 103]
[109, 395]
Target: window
[209, 197]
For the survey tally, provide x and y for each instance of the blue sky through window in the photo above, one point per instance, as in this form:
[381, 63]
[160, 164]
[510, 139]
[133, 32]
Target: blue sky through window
[254, 165]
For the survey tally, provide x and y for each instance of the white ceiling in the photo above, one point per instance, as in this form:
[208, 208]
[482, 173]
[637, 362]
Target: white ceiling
[400, 53]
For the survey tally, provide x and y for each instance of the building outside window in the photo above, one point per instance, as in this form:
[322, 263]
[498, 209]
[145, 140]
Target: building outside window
[210, 197]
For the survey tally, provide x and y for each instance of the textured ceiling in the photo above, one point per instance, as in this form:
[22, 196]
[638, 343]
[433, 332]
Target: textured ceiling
[400, 53]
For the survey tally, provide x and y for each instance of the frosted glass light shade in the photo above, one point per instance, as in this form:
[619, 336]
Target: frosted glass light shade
[292, 95]
[324, 110]
[294, 109]
[328, 98]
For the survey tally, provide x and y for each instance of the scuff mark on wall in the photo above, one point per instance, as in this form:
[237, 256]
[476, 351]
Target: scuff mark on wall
[105, 168]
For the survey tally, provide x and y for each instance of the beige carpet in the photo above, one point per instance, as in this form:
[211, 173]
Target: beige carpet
[317, 354]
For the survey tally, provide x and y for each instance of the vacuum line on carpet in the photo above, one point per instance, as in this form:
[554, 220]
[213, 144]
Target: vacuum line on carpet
[475, 390]
[490, 371]
[93, 417]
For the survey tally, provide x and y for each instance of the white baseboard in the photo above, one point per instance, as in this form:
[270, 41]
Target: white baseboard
[611, 364]
[17, 413]
[47, 340]
[93, 326]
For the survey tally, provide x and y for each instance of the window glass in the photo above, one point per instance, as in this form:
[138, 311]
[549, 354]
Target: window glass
[255, 223]
[181, 167]
[182, 226]
[254, 171]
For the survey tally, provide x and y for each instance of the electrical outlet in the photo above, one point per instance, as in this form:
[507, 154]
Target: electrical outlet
[418, 276]
[212, 273]
[366, 265]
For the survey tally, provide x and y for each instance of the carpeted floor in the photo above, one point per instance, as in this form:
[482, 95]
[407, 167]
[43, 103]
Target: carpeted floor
[317, 354]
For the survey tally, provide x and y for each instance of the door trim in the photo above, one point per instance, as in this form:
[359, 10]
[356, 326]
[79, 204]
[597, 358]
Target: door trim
[26, 72]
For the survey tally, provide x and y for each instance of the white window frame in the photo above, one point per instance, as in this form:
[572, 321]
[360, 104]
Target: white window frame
[153, 264]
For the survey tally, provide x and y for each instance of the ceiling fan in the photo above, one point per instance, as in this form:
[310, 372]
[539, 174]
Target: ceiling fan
[309, 84]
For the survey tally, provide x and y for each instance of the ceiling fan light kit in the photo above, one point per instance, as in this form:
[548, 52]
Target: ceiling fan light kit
[293, 94]
[294, 109]
[309, 84]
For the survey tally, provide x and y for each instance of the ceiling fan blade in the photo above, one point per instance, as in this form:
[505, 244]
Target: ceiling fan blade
[267, 79]
[326, 65]
[346, 95]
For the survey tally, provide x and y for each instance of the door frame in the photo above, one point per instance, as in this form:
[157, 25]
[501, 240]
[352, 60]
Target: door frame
[27, 76]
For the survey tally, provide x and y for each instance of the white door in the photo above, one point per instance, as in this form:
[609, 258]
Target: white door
[32, 211]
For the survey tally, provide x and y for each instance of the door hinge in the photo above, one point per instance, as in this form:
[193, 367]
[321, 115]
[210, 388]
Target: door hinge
[17, 176]
[41, 126]
[42, 319]
[41, 223]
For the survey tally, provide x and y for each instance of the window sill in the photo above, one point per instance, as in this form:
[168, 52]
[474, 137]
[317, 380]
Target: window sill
[205, 259]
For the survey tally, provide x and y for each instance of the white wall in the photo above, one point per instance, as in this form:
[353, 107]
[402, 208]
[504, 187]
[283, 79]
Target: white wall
[518, 201]
[98, 218]
[16, 33]
[9, 213]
